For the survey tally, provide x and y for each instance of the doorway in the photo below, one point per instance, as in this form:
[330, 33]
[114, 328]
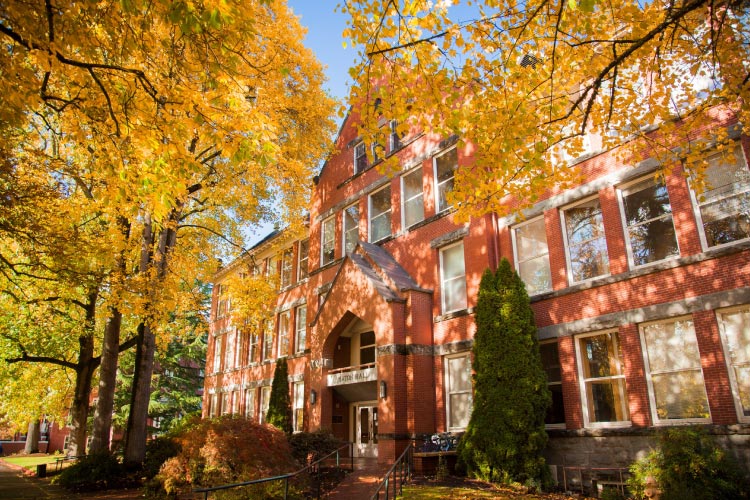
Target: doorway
[366, 429]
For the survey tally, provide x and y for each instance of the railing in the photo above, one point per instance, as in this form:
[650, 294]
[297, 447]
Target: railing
[397, 475]
[313, 468]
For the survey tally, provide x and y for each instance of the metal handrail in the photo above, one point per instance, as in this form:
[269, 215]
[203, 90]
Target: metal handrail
[401, 473]
[285, 477]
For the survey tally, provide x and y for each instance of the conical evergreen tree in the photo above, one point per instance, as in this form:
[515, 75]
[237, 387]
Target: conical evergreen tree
[280, 407]
[505, 436]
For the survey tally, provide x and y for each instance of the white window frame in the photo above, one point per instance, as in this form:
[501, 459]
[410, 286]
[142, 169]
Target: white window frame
[298, 406]
[219, 350]
[649, 375]
[697, 204]
[213, 409]
[449, 390]
[253, 347]
[349, 232]
[287, 258]
[250, 402]
[580, 357]
[303, 259]
[387, 213]
[265, 402]
[283, 325]
[438, 183]
[622, 192]
[268, 344]
[225, 399]
[236, 395]
[563, 221]
[328, 241]
[230, 350]
[727, 356]
[518, 259]
[300, 329]
[444, 280]
[405, 200]
[361, 163]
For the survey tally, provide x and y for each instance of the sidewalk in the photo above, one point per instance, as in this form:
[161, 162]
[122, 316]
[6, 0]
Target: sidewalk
[360, 484]
[16, 485]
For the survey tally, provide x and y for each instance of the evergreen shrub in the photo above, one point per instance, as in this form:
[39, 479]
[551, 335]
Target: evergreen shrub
[505, 436]
[689, 464]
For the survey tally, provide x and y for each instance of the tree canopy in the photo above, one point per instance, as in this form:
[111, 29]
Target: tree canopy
[138, 139]
[534, 85]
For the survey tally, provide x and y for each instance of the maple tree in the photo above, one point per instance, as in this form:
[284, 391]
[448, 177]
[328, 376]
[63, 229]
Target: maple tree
[167, 127]
[530, 83]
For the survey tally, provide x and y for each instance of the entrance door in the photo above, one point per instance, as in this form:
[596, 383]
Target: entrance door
[366, 429]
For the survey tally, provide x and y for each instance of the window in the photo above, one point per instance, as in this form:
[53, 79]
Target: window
[222, 303]
[236, 403]
[304, 248]
[213, 410]
[229, 351]
[445, 169]
[735, 335]
[265, 400]
[250, 403]
[218, 350]
[587, 247]
[532, 256]
[225, 399]
[271, 263]
[327, 241]
[394, 139]
[284, 318]
[647, 217]
[351, 228]
[603, 393]
[286, 267]
[366, 348]
[412, 198]
[300, 337]
[725, 206]
[252, 350]
[380, 214]
[452, 278]
[268, 341]
[458, 391]
[551, 363]
[673, 368]
[298, 406]
[360, 158]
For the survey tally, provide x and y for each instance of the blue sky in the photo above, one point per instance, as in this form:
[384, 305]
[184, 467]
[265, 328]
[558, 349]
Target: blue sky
[324, 38]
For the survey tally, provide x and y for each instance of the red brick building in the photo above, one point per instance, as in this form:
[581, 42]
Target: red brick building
[641, 293]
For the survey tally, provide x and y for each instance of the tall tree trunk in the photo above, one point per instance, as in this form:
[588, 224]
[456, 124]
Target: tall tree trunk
[135, 439]
[157, 259]
[32, 438]
[79, 409]
[100, 435]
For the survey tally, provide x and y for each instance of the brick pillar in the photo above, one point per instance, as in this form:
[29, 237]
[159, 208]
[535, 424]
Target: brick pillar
[683, 216]
[570, 385]
[618, 256]
[557, 260]
[715, 374]
[635, 375]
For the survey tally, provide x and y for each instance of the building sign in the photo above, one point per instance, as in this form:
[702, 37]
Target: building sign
[352, 376]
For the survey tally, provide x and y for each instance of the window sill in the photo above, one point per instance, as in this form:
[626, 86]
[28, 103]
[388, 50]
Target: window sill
[646, 270]
[453, 314]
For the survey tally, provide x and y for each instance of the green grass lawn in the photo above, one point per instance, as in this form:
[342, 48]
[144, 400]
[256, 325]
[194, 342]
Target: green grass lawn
[467, 489]
[30, 462]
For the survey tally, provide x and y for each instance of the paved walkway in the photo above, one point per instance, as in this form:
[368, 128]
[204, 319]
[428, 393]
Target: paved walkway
[16, 485]
[360, 484]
